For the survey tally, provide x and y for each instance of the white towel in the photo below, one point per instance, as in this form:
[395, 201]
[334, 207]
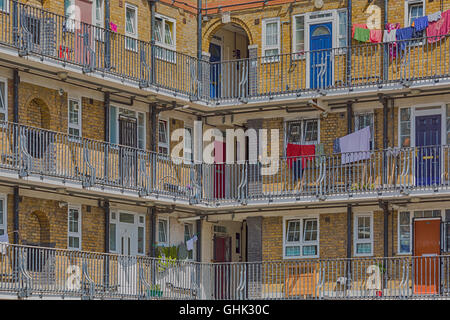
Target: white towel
[434, 16]
[190, 244]
[3, 243]
[355, 146]
[390, 36]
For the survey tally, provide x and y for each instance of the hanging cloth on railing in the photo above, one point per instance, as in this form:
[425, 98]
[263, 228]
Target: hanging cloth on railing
[376, 36]
[434, 16]
[392, 28]
[362, 35]
[438, 29]
[403, 35]
[358, 25]
[355, 146]
[420, 24]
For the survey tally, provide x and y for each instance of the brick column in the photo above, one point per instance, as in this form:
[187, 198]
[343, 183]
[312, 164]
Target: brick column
[253, 70]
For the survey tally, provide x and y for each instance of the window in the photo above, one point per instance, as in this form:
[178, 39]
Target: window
[131, 27]
[165, 30]
[98, 18]
[363, 120]
[299, 37]
[71, 13]
[163, 232]
[342, 34]
[163, 138]
[141, 235]
[363, 235]
[188, 234]
[405, 219]
[405, 127]
[4, 5]
[301, 238]
[271, 39]
[74, 117]
[3, 215]
[74, 230]
[303, 132]
[114, 114]
[415, 9]
[3, 100]
[188, 147]
[448, 123]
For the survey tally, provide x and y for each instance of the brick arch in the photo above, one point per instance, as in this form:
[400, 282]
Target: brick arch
[216, 25]
[38, 220]
[38, 113]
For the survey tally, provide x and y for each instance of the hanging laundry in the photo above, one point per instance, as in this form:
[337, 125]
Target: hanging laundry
[390, 36]
[392, 31]
[292, 152]
[434, 16]
[362, 35]
[4, 243]
[403, 35]
[355, 146]
[190, 244]
[358, 25]
[434, 30]
[420, 24]
[376, 36]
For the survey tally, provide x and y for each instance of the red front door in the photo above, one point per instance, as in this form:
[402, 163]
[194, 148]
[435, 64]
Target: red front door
[427, 234]
[222, 253]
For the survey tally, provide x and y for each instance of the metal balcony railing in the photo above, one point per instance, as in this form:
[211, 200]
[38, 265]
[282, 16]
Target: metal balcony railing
[28, 271]
[34, 152]
[37, 32]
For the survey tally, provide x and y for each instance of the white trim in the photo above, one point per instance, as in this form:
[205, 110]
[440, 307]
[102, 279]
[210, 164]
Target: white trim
[302, 243]
[74, 234]
[302, 120]
[165, 144]
[5, 82]
[264, 46]
[128, 34]
[70, 125]
[167, 242]
[355, 234]
[99, 23]
[4, 226]
[174, 35]
[136, 225]
[406, 10]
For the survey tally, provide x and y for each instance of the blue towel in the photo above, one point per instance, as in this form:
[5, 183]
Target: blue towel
[336, 146]
[404, 34]
[421, 24]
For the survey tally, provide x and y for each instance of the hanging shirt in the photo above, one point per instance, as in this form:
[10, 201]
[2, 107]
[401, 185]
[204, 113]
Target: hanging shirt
[376, 36]
[362, 35]
[403, 35]
[190, 244]
[434, 16]
[355, 146]
[392, 36]
[421, 23]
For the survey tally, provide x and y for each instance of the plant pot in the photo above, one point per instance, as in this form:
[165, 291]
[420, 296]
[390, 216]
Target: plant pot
[155, 293]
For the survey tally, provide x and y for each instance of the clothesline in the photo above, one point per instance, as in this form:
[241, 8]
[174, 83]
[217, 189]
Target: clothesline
[436, 25]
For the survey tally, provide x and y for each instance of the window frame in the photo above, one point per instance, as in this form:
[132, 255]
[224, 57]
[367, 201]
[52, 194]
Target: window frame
[372, 130]
[362, 241]
[163, 35]
[113, 220]
[5, 97]
[4, 226]
[167, 242]
[301, 243]
[194, 251]
[297, 55]
[264, 47]
[6, 9]
[71, 125]
[167, 143]
[407, 18]
[134, 36]
[71, 233]
[140, 225]
[191, 148]
[137, 113]
[99, 24]
[303, 123]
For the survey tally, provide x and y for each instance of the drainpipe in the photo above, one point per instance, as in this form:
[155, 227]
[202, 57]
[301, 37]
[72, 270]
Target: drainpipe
[152, 39]
[349, 206]
[16, 81]
[106, 209]
[107, 36]
[349, 44]
[199, 45]
[386, 49]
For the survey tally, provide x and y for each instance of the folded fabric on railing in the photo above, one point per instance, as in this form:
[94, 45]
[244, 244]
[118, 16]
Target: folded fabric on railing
[434, 16]
[403, 35]
[362, 35]
[295, 151]
[358, 25]
[438, 29]
[355, 146]
[376, 36]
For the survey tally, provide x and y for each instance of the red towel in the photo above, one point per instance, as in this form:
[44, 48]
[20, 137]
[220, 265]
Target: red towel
[438, 29]
[358, 25]
[294, 151]
[376, 36]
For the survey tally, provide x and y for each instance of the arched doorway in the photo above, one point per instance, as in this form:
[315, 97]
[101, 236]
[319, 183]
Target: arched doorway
[37, 230]
[228, 49]
[37, 141]
[38, 114]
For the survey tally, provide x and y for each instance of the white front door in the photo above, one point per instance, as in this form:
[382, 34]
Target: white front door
[127, 230]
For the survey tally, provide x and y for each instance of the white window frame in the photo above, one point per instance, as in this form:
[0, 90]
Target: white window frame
[303, 121]
[4, 226]
[188, 149]
[338, 35]
[128, 34]
[74, 234]
[301, 243]
[119, 112]
[362, 241]
[71, 23]
[164, 144]
[298, 54]
[167, 242]
[265, 47]
[100, 23]
[411, 217]
[71, 125]
[6, 9]
[163, 32]
[5, 97]
[194, 251]
[409, 3]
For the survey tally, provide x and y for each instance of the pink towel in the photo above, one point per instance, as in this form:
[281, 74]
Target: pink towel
[376, 36]
[438, 29]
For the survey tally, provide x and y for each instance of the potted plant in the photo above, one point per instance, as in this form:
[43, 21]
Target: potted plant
[155, 291]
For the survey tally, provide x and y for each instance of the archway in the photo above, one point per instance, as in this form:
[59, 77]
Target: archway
[38, 114]
[36, 229]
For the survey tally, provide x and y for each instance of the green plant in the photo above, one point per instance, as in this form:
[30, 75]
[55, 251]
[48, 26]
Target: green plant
[167, 257]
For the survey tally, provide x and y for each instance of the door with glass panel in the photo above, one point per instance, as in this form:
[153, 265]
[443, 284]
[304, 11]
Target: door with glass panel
[127, 263]
[320, 57]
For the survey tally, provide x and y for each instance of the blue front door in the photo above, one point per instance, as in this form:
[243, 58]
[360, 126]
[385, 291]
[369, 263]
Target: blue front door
[320, 58]
[428, 141]
[215, 75]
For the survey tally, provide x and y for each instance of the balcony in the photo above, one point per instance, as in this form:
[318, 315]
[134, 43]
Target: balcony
[45, 37]
[37, 156]
[29, 272]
